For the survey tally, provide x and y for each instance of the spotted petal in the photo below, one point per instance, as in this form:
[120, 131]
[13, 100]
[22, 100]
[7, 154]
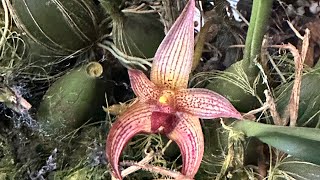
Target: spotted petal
[137, 119]
[205, 104]
[188, 136]
[173, 60]
[142, 86]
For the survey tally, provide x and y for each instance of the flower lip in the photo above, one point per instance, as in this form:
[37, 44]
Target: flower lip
[162, 122]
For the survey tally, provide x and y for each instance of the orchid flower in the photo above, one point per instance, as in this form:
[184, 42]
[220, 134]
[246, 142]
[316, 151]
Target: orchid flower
[165, 104]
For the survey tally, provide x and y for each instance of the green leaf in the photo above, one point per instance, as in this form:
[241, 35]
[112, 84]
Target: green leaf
[309, 104]
[300, 142]
[298, 170]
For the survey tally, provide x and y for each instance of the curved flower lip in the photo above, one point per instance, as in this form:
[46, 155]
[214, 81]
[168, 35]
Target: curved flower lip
[189, 137]
[135, 120]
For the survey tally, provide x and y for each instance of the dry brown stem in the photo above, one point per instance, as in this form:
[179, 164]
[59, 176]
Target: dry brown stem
[299, 58]
[273, 110]
[171, 10]
[132, 169]
[160, 170]
[135, 166]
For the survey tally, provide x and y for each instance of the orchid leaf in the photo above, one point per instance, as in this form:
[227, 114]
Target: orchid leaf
[309, 105]
[300, 142]
[297, 169]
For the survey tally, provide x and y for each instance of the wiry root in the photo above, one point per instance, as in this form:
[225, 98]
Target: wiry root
[125, 60]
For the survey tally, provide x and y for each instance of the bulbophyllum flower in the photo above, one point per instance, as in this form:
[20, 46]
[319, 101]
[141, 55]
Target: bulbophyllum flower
[165, 104]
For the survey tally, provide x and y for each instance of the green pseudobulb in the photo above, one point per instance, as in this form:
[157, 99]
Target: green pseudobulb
[72, 100]
[138, 35]
[73, 23]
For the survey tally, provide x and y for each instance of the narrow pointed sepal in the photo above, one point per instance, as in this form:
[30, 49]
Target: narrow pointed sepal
[173, 60]
[188, 136]
[205, 104]
[137, 119]
[142, 86]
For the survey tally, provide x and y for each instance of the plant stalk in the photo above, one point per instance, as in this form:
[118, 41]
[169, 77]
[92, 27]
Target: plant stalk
[258, 24]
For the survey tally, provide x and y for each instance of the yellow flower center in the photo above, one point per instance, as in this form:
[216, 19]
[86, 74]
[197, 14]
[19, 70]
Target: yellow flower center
[163, 100]
[166, 97]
